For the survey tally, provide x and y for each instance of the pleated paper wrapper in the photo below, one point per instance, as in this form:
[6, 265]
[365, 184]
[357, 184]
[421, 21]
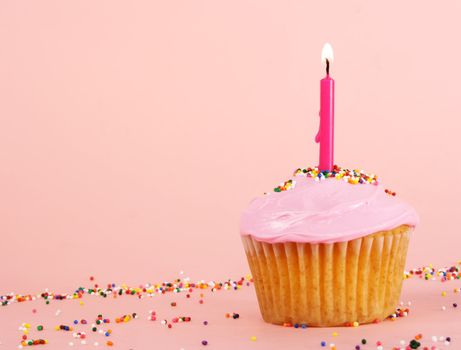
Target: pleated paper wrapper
[333, 284]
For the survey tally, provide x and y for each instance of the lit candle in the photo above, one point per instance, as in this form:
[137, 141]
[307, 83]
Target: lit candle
[325, 136]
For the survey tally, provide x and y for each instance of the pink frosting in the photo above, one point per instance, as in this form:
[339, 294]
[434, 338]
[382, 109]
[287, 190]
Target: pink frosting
[325, 211]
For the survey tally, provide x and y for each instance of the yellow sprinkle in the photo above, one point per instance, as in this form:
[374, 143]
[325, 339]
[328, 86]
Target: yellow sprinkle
[444, 293]
[81, 303]
[335, 334]
[355, 324]
[253, 338]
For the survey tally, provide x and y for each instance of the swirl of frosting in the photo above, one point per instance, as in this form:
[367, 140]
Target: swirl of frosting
[324, 212]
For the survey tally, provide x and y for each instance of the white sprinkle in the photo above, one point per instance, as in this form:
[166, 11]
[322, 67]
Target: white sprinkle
[96, 343]
[71, 344]
[443, 308]
[402, 342]
[57, 312]
[434, 338]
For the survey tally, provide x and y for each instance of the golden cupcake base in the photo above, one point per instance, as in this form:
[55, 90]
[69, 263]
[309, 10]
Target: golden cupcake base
[323, 285]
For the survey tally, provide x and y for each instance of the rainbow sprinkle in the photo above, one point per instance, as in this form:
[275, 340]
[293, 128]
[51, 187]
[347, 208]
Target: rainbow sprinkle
[430, 273]
[425, 273]
[353, 177]
[147, 290]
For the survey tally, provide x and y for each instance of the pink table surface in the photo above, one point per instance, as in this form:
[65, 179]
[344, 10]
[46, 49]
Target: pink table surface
[426, 317]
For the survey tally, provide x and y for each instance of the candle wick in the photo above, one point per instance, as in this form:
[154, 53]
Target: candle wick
[328, 66]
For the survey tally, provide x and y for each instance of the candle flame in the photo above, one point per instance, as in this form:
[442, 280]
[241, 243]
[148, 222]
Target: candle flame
[327, 53]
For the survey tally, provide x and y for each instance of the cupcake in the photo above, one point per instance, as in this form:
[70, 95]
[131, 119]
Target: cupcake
[327, 248]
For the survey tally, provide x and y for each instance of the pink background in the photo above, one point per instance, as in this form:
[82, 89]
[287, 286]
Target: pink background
[132, 134]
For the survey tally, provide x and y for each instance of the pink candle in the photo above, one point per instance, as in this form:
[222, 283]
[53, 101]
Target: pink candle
[325, 136]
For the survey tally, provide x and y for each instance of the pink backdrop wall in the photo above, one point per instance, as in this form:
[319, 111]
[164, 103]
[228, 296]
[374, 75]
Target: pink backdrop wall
[132, 134]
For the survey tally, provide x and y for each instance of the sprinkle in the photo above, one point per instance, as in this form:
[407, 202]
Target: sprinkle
[323, 343]
[32, 342]
[176, 286]
[204, 343]
[351, 176]
[253, 338]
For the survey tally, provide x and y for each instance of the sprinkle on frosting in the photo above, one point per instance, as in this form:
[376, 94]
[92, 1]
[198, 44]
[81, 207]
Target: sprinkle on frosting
[390, 193]
[350, 176]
